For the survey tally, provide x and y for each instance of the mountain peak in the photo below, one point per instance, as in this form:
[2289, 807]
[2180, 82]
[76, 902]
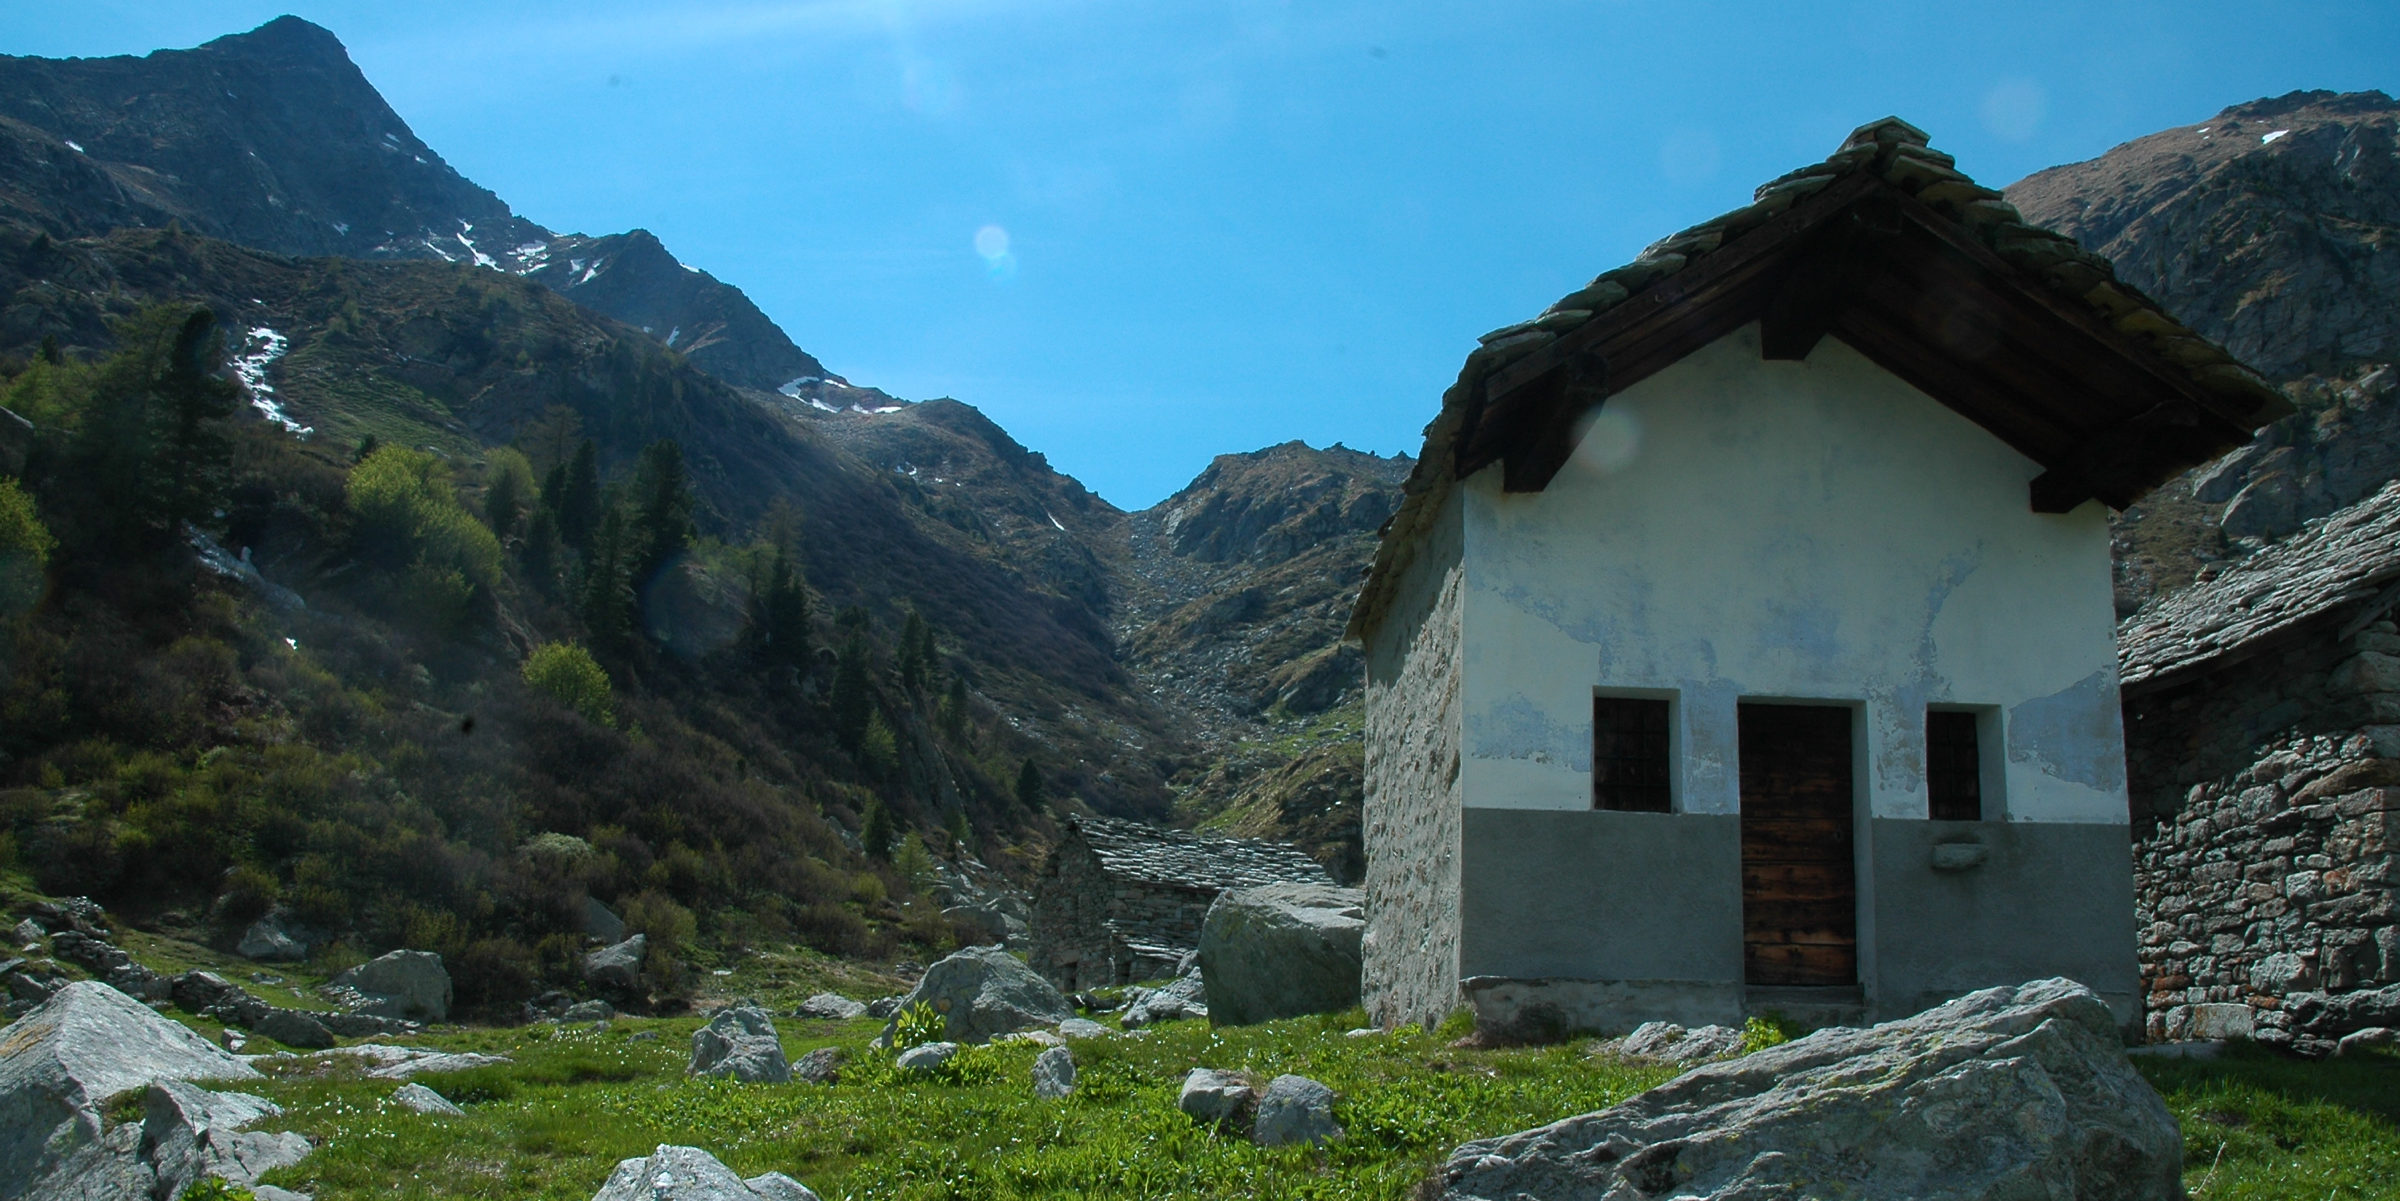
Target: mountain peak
[285, 39]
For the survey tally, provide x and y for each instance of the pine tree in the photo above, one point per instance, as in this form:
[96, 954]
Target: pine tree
[954, 708]
[779, 621]
[916, 653]
[579, 499]
[959, 830]
[504, 497]
[878, 831]
[1029, 787]
[850, 702]
[663, 513]
[607, 597]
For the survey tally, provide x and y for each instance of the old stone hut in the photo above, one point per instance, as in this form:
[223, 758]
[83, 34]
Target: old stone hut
[2262, 734]
[1744, 639]
[1120, 901]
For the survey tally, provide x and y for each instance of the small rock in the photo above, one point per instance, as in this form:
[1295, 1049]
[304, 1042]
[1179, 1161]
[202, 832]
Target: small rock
[884, 1007]
[1666, 1042]
[740, 1043]
[2360, 1041]
[415, 979]
[29, 933]
[1216, 1098]
[821, 1066]
[425, 1100]
[1082, 1028]
[617, 966]
[588, 1011]
[926, 1058]
[983, 991]
[831, 1007]
[1295, 1109]
[1362, 1032]
[1039, 1038]
[294, 1028]
[1183, 997]
[273, 939]
[642, 1036]
[690, 1174]
[1054, 1073]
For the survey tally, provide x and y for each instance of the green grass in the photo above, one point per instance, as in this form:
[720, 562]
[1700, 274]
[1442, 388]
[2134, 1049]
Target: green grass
[2258, 1125]
[576, 1100]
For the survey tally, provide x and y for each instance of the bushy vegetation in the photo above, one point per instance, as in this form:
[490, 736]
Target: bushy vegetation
[475, 673]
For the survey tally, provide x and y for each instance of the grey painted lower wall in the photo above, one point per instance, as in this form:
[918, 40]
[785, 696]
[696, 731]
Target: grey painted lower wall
[2020, 901]
[1599, 920]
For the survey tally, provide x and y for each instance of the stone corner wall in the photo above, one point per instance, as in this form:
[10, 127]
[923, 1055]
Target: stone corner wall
[2265, 801]
[1412, 812]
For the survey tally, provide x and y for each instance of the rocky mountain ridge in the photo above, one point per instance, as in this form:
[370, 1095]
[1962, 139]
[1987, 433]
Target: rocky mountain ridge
[2274, 229]
[274, 139]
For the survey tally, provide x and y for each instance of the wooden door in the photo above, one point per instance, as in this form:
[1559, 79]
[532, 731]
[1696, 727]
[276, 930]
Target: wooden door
[1799, 882]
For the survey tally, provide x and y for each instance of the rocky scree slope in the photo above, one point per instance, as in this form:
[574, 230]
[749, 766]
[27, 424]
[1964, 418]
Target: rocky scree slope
[2274, 229]
[274, 139]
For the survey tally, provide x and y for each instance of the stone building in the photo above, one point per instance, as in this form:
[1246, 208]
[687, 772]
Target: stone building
[2262, 735]
[1120, 901]
[1745, 640]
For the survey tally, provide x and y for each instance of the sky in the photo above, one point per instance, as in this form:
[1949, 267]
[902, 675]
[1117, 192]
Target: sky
[1140, 235]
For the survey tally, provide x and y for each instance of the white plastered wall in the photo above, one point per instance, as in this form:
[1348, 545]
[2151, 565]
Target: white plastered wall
[1733, 528]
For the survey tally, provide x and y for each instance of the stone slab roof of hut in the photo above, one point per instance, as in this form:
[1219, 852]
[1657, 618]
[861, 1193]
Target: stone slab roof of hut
[1887, 246]
[1153, 855]
[2348, 557]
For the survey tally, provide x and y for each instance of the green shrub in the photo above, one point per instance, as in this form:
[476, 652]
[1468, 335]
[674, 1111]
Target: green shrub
[916, 1026]
[409, 517]
[568, 674]
[25, 546]
[1760, 1032]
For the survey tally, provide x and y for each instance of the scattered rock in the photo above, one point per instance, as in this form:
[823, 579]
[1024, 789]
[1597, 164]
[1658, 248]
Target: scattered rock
[30, 933]
[413, 978]
[1216, 1098]
[740, 1042]
[1082, 1028]
[983, 991]
[2017, 1091]
[189, 1133]
[925, 1057]
[1182, 997]
[831, 1007]
[617, 966]
[2360, 1041]
[600, 923]
[424, 1100]
[1039, 1038]
[821, 1066]
[294, 1028]
[1294, 1109]
[1054, 1073]
[274, 939]
[62, 1061]
[690, 1174]
[1282, 950]
[1667, 1042]
[884, 1007]
[588, 1011]
[399, 1063]
[83, 915]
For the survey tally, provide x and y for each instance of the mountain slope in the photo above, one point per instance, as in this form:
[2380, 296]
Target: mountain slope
[274, 139]
[2273, 228]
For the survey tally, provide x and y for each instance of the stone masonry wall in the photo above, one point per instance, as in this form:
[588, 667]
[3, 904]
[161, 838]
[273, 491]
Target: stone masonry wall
[2266, 800]
[1412, 813]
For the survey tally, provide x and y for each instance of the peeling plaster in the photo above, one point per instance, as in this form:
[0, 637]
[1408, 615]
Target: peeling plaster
[1515, 729]
[2074, 734]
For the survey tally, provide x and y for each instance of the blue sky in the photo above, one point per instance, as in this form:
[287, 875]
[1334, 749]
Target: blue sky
[1140, 234]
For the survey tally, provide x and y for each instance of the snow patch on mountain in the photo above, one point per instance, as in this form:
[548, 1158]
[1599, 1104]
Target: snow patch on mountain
[260, 347]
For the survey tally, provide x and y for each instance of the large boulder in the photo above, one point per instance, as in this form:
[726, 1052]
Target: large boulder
[618, 966]
[691, 1174]
[983, 991]
[1280, 951]
[189, 1133]
[2009, 1092]
[275, 938]
[740, 1043]
[1295, 1109]
[413, 979]
[61, 1062]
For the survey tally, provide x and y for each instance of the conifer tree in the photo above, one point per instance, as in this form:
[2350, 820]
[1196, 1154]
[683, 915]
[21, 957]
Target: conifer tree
[878, 831]
[663, 508]
[916, 653]
[607, 597]
[579, 499]
[850, 702]
[1029, 787]
[542, 550]
[954, 708]
[779, 622]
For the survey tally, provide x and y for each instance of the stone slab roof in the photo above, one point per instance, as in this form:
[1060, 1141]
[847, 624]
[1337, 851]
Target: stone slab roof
[1710, 278]
[2340, 560]
[1149, 854]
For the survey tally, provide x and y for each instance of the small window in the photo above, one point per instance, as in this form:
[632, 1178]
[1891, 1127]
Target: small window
[1953, 767]
[1629, 754]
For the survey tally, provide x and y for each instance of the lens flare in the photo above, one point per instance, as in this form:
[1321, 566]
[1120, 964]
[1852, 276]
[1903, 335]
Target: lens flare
[991, 241]
[1608, 440]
